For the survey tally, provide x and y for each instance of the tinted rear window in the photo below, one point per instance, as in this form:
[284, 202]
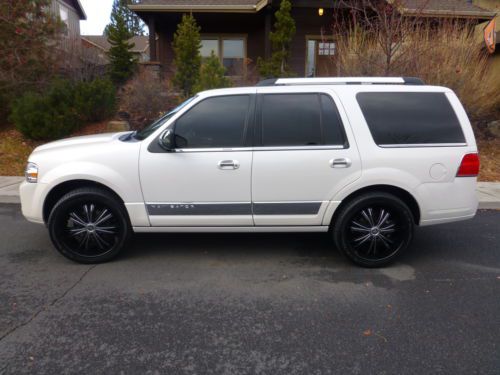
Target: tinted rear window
[410, 118]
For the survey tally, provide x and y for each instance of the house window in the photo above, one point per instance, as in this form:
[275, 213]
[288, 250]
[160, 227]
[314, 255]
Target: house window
[231, 52]
[208, 46]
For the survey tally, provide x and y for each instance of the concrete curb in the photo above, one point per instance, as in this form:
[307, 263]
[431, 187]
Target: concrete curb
[488, 192]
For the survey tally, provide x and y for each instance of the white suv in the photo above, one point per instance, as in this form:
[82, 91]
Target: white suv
[363, 158]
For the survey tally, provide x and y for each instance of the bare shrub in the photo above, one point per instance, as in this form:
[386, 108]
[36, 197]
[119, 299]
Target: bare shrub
[379, 42]
[145, 98]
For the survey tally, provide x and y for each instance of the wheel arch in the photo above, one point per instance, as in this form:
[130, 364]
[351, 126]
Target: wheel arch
[59, 190]
[401, 193]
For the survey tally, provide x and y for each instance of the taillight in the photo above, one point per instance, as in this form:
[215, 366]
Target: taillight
[469, 167]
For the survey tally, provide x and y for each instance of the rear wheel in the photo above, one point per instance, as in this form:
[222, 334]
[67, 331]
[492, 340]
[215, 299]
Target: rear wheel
[373, 229]
[89, 225]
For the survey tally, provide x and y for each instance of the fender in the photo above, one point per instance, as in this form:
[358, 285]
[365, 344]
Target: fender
[372, 177]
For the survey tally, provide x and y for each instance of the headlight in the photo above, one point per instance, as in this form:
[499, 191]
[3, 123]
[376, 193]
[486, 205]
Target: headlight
[31, 172]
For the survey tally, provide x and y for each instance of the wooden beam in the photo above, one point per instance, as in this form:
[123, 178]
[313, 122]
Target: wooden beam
[267, 30]
[152, 39]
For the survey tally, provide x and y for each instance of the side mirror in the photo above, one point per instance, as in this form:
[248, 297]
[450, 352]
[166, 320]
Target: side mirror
[167, 140]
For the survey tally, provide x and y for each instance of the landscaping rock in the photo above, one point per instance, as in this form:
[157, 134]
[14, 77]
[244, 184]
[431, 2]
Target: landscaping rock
[117, 126]
[494, 128]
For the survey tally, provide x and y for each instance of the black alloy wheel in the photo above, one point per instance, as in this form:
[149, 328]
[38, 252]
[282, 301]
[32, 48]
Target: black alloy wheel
[373, 229]
[89, 225]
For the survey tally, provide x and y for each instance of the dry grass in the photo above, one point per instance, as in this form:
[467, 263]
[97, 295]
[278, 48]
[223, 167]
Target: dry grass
[489, 153]
[14, 152]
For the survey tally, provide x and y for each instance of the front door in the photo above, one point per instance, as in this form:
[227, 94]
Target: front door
[304, 155]
[321, 58]
[207, 180]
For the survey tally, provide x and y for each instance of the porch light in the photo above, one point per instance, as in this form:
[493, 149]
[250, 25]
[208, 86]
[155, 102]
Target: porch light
[320, 11]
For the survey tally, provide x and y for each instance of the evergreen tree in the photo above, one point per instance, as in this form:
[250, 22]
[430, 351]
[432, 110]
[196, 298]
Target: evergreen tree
[212, 75]
[281, 37]
[187, 60]
[122, 61]
[120, 10]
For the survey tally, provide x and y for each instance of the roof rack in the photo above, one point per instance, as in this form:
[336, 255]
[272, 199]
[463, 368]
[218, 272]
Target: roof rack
[342, 81]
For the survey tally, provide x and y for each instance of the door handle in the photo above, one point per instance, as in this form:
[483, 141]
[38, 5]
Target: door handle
[228, 164]
[340, 163]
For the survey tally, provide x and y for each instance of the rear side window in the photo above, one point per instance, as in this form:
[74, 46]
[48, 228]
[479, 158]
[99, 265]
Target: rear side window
[214, 122]
[300, 120]
[396, 118]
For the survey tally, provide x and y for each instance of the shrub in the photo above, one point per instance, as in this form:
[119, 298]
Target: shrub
[212, 75]
[62, 109]
[95, 100]
[48, 116]
[144, 98]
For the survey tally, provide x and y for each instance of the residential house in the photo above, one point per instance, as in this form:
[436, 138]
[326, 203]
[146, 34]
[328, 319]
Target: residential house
[71, 13]
[494, 6]
[97, 46]
[238, 30]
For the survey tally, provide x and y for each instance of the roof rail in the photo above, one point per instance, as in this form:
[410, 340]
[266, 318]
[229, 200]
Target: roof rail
[342, 81]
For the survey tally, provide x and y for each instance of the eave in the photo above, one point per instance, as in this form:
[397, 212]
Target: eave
[200, 8]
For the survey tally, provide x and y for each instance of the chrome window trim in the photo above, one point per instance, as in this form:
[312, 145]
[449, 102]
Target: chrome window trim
[413, 145]
[291, 148]
[267, 148]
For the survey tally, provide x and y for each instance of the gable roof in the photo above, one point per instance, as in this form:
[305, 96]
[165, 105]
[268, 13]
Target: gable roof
[101, 41]
[78, 7]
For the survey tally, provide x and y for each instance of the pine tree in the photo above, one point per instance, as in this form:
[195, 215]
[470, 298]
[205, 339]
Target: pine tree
[122, 61]
[187, 60]
[120, 10]
[212, 75]
[281, 37]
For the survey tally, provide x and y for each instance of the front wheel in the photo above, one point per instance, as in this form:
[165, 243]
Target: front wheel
[89, 225]
[373, 229]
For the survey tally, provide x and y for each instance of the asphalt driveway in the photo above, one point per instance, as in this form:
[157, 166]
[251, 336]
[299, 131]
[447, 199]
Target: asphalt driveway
[245, 304]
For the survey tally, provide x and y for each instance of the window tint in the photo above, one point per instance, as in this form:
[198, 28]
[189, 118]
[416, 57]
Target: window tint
[298, 120]
[332, 125]
[214, 122]
[410, 118]
[291, 120]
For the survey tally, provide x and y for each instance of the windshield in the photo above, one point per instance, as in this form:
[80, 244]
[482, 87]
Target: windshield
[150, 129]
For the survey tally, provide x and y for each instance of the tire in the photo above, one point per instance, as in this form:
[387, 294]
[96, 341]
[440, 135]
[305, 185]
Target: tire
[373, 229]
[89, 225]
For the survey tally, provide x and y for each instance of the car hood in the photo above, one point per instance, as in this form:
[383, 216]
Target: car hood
[80, 141]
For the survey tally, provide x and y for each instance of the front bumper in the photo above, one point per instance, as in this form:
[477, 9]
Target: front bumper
[32, 197]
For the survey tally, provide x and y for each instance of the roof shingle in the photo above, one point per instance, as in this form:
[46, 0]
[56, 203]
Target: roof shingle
[141, 43]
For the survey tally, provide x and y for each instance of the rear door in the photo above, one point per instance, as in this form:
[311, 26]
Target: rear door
[304, 153]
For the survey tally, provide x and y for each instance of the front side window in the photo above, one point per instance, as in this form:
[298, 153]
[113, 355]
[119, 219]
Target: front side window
[300, 120]
[217, 122]
[398, 118]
